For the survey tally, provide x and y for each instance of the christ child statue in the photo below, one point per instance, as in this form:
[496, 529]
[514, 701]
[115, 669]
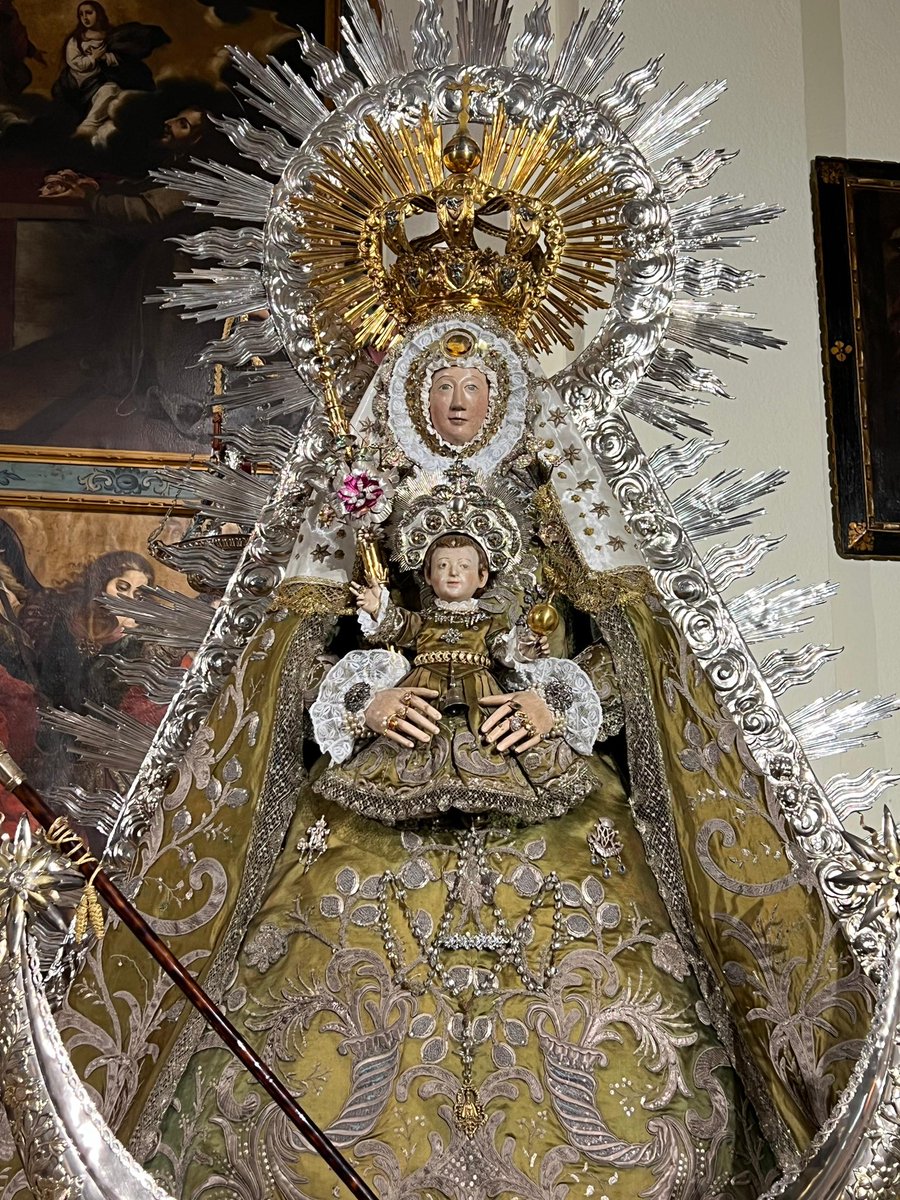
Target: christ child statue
[448, 735]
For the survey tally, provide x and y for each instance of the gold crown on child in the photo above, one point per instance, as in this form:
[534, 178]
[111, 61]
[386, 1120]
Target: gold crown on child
[458, 502]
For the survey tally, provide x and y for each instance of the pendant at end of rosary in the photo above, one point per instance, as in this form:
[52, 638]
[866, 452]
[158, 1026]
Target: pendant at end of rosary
[468, 1114]
[604, 843]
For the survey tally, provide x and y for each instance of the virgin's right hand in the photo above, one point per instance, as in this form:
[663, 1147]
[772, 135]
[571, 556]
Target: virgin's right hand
[416, 720]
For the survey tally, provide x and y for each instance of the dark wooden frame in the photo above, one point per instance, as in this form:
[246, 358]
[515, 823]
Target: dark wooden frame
[860, 529]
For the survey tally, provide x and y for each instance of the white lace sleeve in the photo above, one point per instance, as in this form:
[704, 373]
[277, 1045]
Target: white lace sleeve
[368, 671]
[567, 689]
[369, 625]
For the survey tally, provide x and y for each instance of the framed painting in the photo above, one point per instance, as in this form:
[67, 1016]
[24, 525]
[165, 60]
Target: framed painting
[857, 232]
[57, 641]
[99, 388]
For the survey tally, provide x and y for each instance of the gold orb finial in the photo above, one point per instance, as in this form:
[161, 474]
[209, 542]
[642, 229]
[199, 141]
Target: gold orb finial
[462, 153]
[543, 618]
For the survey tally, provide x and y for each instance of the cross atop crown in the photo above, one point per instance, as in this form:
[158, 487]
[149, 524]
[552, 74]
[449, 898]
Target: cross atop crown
[468, 88]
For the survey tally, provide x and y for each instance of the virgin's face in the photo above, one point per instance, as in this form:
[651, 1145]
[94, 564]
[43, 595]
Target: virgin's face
[87, 16]
[126, 587]
[455, 573]
[458, 403]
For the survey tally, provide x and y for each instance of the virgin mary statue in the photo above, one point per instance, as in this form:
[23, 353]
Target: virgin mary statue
[494, 841]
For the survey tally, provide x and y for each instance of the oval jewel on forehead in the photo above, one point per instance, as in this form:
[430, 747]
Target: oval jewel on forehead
[458, 343]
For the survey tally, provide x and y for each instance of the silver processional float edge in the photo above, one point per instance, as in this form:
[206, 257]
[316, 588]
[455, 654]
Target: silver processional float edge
[639, 364]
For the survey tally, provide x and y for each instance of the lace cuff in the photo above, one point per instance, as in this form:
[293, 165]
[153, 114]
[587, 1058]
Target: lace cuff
[569, 693]
[369, 625]
[354, 679]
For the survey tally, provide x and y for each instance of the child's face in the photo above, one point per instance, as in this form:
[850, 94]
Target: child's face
[455, 573]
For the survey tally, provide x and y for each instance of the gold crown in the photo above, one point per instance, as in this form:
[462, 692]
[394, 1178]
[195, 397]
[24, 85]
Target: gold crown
[459, 502]
[555, 256]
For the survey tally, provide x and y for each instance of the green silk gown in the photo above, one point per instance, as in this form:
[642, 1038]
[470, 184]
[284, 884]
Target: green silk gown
[469, 1005]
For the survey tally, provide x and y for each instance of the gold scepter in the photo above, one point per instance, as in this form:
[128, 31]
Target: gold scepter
[374, 566]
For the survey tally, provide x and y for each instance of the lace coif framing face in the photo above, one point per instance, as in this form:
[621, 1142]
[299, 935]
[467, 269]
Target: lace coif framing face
[408, 413]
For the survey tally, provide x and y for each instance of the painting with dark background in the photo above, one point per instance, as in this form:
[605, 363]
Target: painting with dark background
[94, 97]
[857, 207]
[99, 390]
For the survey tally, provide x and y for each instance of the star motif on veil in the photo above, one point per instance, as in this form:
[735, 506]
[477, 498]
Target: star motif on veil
[557, 417]
[321, 552]
[600, 509]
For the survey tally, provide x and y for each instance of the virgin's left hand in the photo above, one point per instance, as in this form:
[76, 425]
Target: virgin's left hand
[499, 730]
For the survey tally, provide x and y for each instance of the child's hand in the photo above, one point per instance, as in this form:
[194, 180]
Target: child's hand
[531, 646]
[368, 597]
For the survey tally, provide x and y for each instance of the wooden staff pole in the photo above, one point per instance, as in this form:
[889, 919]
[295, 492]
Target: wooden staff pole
[13, 779]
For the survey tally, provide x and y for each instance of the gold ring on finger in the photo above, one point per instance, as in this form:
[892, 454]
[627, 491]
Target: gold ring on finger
[517, 721]
[392, 722]
[407, 699]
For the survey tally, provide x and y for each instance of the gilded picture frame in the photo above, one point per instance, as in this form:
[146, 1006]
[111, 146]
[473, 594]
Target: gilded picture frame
[856, 206]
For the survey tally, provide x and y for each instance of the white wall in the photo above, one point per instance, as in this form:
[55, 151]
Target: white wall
[805, 77]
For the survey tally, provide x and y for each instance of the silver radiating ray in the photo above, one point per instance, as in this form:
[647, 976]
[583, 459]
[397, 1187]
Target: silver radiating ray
[221, 189]
[678, 369]
[702, 276]
[851, 794]
[674, 462]
[717, 505]
[666, 125]
[332, 79]
[785, 669]
[665, 410]
[588, 53]
[715, 328]
[269, 147]
[482, 31]
[775, 610]
[531, 52]
[726, 564]
[163, 617]
[625, 97]
[230, 247]
[159, 682]
[96, 811]
[103, 735]
[267, 444]
[209, 294]
[684, 174]
[719, 222]
[206, 559]
[830, 725]
[247, 340]
[223, 493]
[271, 392]
[431, 41]
[279, 93]
[373, 46]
